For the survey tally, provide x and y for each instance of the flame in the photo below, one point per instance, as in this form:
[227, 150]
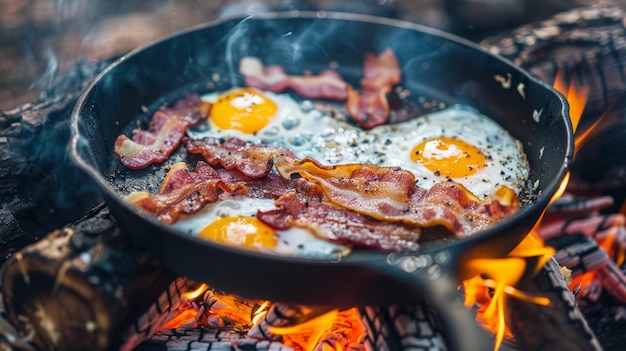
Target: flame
[494, 279]
[184, 315]
[582, 137]
[307, 335]
[260, 312]
[192, 295]
[575, 94]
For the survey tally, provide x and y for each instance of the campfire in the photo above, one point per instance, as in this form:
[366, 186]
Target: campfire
[86, 287]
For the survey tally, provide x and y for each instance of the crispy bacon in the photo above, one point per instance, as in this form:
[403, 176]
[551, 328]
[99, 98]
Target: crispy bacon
[252, 160]
[183, 192]
[327, 85]
[368, 109]
[271, 186]
[371, 108]
[390, 195]
[300, 203]
[165, 130]
[306, 208]
[187, 192]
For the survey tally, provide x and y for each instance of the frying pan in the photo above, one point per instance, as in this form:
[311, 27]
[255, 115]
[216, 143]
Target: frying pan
[435, 65]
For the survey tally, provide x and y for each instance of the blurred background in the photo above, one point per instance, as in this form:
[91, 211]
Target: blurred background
[42, 39]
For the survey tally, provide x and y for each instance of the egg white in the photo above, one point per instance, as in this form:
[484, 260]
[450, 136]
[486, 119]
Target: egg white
[294, 242]
[295, 124]
[309, 132]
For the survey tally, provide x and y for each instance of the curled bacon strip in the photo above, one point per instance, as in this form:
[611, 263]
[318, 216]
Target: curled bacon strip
[187, 192]
[327, 85]
[182, 192]
[371, 108]
[165, 131]
[252, 160]
[390, 195]
[306, 208]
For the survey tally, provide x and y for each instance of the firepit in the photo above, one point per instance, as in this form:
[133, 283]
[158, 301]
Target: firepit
[88, 262]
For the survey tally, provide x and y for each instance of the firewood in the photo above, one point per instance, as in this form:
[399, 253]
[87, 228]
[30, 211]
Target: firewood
[559, 326]
[78, 288]
[40, 189]
[586, 47]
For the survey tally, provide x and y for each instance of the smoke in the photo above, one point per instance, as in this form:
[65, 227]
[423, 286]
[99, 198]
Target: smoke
[52, 66]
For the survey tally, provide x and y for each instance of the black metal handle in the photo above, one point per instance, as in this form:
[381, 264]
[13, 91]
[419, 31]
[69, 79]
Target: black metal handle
[431, 277]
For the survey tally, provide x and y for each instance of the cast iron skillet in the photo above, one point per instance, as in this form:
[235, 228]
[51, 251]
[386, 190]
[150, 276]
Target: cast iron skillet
[435, 65]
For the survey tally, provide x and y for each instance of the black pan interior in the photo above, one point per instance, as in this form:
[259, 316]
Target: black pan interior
[435, 66]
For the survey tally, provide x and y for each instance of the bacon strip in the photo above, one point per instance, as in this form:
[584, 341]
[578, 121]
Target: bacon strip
[183, 192]
[252, 160]
[368, 109]
[165, 131]
[327, 85]
[371, 108]
[307, 209]
[300, 203]
[187, 192]
[390, 195]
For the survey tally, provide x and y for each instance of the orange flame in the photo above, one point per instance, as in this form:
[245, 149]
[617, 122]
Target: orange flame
[494, 282]
[307, 335]
[192, 295]
[495, 278]
[575, 94]
[577, 97]
[260, 312]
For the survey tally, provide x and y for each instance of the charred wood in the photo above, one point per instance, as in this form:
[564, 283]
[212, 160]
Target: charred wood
[410, 327]
[586, 46]
[77, 288]
[560, 326]
[162, 309]
[184, 339]
[40, 190]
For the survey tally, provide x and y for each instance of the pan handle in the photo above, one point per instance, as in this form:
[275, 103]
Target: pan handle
[431, 276]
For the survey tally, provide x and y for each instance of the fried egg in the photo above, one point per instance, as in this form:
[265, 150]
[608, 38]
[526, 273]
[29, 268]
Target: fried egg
[231, 221]
[457, 143]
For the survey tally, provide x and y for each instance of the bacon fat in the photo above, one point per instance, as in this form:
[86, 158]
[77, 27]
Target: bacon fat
[165, 131]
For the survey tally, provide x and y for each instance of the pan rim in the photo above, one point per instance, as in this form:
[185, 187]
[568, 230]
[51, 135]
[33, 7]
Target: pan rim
[103, 185]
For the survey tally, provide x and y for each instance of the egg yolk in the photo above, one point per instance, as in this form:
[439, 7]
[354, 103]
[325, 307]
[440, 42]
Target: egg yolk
[448, 157]
[245, 110]
[241, 231]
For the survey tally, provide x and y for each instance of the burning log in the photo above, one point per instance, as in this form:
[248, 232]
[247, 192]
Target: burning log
[588, 242]
[560, 326]
[76, 288]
